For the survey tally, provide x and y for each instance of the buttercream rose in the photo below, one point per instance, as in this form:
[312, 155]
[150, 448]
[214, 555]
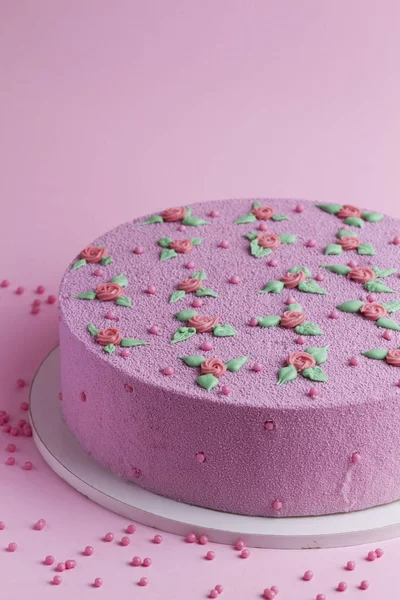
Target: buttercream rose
[215, 366]
[181, 246]
[172, 215]
[393, 358]
[202, 324]
[93, 254]
[348, 242]
[263, 213]
[373, 311]
[292, 318]
[361, 274]
[349, 211]
[108, 336]
[292, 280]
[190, 285]
[108, 291]
[301, 360]
[268, 240]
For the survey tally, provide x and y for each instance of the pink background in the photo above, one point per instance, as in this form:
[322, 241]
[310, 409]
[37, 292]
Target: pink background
[112, 109]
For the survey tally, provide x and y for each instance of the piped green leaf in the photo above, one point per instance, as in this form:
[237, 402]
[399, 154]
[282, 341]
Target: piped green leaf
[197, 241]
[206, 292]
[92, 329]
[256, 204]
[193, 221]
[224, 330]
[176, 296]
[378, 286]
[251, 236]
[78, 264]
[164, 242]
[185, 315]
[269, 321]
[320, 354]
[236, 363]
[280, 217]
[305, 270]
[195, 360]
[286, 374]
[182, 334]
[388, 324]
[110, 348]
[124, 301]
[354, 222]
[272, 287]
[248, 218]
[366, 250]
[167, 253]
[130, 342]
[153, 219]
[332, 209]
[311, 287]
[315, 374]
[295, 306]
[308, 328]
[372, 217]
[345, 233]
[287, 238]
[106, 260]
[86, 296]
[376, 353]
[207, 381]
[257, 251]
[338, 269]
[120, 280]
[352, 306]
[392, 307]
[333, 249]
[382, 273]
[199, 275]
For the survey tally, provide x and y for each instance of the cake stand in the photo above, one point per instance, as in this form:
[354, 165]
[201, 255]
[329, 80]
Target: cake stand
[64, 454]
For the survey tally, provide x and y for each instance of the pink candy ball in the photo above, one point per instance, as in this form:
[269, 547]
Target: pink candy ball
[354, 361]
[60, 567]
[371, 556]
[214, 214]
[5, 283]
[36, 302]
[371, 297]
[191, 538]
[143, 581]
[131, 528]
[110, 314]
[311, 243]
[308, 575]
[190, 264]
[352, 264]
[342, 586]
[14, 431]
[334, 314]
[27, 466]
[51, 299]
[138, 250]
[364, 585]
[155, 330]
[300, 340]
[21, 423]
[355, 457]
[40, 289]
[379, 552]
[224, 244]
[277, 505]
[70, 564]
[125, 353]
[10, 461]
[245, 553]
[20, 290]
[351, 565]
[136, 561]
[206, 346]
[98, 582]
[387, 335]
[151, 290]
[49, 560]
[197, 303]
[146, 562]
[210, 555]
[299, 208]
[253, 322]
[213, 594]
[320, 597]
[273, 262]
[11, 447]
[235, 279]
[274, 589]
[290, 300]
[262, 227]
[240, 545]
[21, 383]
[269, 594]
[35, 310]
[57, 580]
[396, 240]
[109, 537]
[269, 425]
[168, 371]
[219, 588]
[88, 551]
[98, 273]
[12, 546]
[203, 539]
[2, 525]
[181, 227]
[125, 541]
[257, 367]
[319, 277]
[158, 539]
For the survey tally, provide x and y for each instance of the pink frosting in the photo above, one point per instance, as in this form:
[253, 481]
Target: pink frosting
[349, 211]
[215, 366]
[172, 215]
[108, 291]
[393, 357]
[93, 254]
[291, 318]
[301, 360]
[348, 242]
[108, 336]
[268, 240]
[263, 213]
[361, 274]
[292, 280]
[203, 324]
[373, 311]
[190, 285]
[181, 246]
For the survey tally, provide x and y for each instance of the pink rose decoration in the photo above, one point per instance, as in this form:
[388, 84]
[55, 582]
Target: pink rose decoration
[349, 211]
[108, 291]
[348, 242]
[181, 246]
[263, 213]
[215, 366]
[190, 285]
[203, 324]
[108, 336]
[373, 311]
[172, 215]
[393, 358]
[291, 318]
[361, 274]
[292, 280]
[93, 254]
[268, 240]
[301, 360]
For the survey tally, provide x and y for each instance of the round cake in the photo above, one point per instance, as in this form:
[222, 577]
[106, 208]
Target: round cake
[240, 355]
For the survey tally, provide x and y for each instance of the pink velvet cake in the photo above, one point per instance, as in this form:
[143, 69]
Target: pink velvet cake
[240, 355]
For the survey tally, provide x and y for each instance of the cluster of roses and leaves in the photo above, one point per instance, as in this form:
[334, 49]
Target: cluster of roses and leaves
[211, 369]
[296, 277]
[306, 364]
[111, 337]
[196, 323]
[111, 291]
[366, 275]
[392, 357]
[181, 214]
[92, 255]
[351, 215]
[193, 285]
[373, 311]
[171, 248]
[262, 243]
[260, 213]
[292, 318]
[348, 240]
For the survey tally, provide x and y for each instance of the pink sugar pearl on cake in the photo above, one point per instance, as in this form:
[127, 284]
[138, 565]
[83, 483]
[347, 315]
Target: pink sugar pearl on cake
[245, 553]
[240, 545]
[206, 346]
[146, 562]
[396, 240]
[342, 586]
[269, 594]
[320, 597]
[143, 582]
[311, 243]
[277, 505]
[20, 290]
[275, 589]
[299, 208]
[350, 565]
[60, 567]
[88, 551]
[181, 227]
[131, 528]
[300, 340]
[39, 525]
[257, 367]
[334, 314]
[214, 214]
[352, 264]
[235, 279]
[158, 539]
[224, 244]
[21, 423]
[354, 361]
[308, 575]
[10, 462]
[387, 335]
[213, 594]
[111, 315]
[12, 547]
[262, 227]
[125, 541]
[319, 277]
[70, 564]
[125, 353]
[151, 290]
[138, 250]
[5, 283]
[203, 539]
[36, 302]
[364, 585]
[109, 537]
[168, 371]
[155, 330]
[273, 262]
[225, 390]
[14, 431]
[313, 392]
[253, 322]
[197, 302]
[2, 525]
[371, 556]
[269, 425]
[56, 580]
[200, 457]
[379, 552]
[371, 297]
[219, 588]
[27, 466]
[356, 457]
[98, 582]
[210, 555]
[40, 289]
[190, 264]
[11, 447]
[136, 561]
[49, 560]
[98, 273]
[21, 383]
[191, 538]
[290, 300]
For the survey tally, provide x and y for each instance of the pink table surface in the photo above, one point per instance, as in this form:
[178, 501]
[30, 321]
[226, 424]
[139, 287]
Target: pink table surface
[111, 109]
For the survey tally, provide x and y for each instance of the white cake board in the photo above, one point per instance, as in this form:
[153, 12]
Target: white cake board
[63, 453]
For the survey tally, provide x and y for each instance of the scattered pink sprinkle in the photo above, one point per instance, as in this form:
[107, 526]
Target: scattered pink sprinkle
[206, 346]
[27, 431]
[57, 580]
[70, 564]
[138, 250]
[136, 473]
[334, 314]
[146, 562]
[158, 539]
[51, 299]
[11, 447]
[125, 353]
[313, 392]
[320, 597]
[235, 279]
[371, 297]
[275, 589]
[24, 406]
[128, 388]
[151, 290]
[290, 300]
[213, 594]
[12, 546]
[190, 264]
[269, 425]
[14, 431]
[155, 330]
[2, 525]
[197, 302]
[125, 541]
[131, 528]
[225, 390]
[98, 273]
[203, 539]
[257, 367]
[49, 560]
[40, 289]
[181, 227]
[21, 383]
[277, 505]
[219, 588]
[214, 214]
[355, 457]
[300, 340]
[191, 538]
[319, 277]
[98, 582]
[27, 466]
[269, 594]
[21, 423]
[396, 240]
[311, 243]
[109, 537]
[372, 556]
[60, 567]
[210, 555]
[364, 585]
[88, 551]
[5, 283]
[262, 227]
[10, 462]
[299, 208]
[273, 262]
[224, 244]
[387, 335]
[110, 314]
[36, 302]
[352, 264]
[253, 322]
[351, 565]
[143, 581]
[20, 290]
[245, 553]
[168, 371]
[60, 395]
[240, 545]
[82, 396]
[136, 561]
[354, 361]
[35, 310]
[379, 552]
[39, 525]
[308, 575]
[342, 586]
[7, 428]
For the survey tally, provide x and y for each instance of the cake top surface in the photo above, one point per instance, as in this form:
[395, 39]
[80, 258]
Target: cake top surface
[175, 277]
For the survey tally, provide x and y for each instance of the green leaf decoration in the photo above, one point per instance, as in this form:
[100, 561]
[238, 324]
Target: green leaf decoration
[295, 306]
[332, 209]
[199, 275]
[352, 306]
[372, 217]
[176, 296]
[188, 212]
[92, 329]
[286, 374]
[206, 292]
[280, 217]
[305, 270]
[153, 219]
[308, 328]
[378, 286]
[195, 360]
[248, 218]
[224, 330]
[164, 242]
[251, 236]
[207, 381]
[78, 264]
[106, 260]
[185, 315]
[388, 324]
[193, 221]
[382, 273]
[236, 363]
[287, 238]
[182, 334]
[124, 301]
[376, 353]
[366, 249]
[110, 348]
[311, 287]
[257, 251]
[86, 296]
[120, 280]
[345, 233]
[320, 354]
[130, 342]
[315, 374]
[338, 269]
[392, 307]
[197, 241]
[354, 222]
[256, 204]
[269, 321]
[273, 287]
[333, 249]
[167, 253]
